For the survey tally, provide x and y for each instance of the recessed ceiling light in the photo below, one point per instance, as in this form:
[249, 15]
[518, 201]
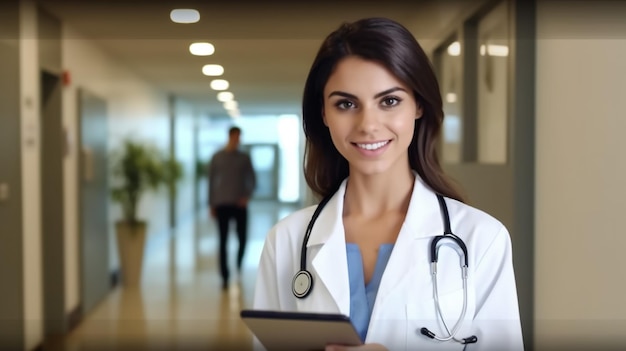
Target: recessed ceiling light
[495, 50]
[231, 105]
[212, 70]
[224, 96]
[202, 49]
[184, 16]
[219, 84]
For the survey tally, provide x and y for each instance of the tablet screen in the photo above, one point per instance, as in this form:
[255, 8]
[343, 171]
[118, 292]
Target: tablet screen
[296, 331]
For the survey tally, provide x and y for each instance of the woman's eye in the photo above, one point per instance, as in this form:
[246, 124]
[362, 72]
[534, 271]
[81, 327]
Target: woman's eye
[344, 104]
[390, 101]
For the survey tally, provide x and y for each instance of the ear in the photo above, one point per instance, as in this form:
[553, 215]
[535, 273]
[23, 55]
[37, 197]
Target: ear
[419, 111]
[324, 116]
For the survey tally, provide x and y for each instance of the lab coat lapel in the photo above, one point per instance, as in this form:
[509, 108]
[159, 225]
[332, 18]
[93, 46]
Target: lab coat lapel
[330, 262]
[409, 258]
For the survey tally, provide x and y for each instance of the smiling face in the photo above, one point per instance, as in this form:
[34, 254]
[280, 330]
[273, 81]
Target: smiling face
[371, 116]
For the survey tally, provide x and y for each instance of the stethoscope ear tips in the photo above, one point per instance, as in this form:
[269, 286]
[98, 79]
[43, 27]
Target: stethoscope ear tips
[471, 340]
[427, 332]
[302, 283]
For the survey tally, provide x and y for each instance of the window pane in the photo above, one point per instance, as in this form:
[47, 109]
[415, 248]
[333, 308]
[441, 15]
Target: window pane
[492, 85]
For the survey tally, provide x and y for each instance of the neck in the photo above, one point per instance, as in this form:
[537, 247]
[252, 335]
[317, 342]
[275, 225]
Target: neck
[372, 196]
[231, 147]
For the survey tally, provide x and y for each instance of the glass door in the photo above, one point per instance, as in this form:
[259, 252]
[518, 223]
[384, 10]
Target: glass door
[265, 162]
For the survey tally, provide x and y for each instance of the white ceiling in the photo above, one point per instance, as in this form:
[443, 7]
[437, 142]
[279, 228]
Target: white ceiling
[266, 47]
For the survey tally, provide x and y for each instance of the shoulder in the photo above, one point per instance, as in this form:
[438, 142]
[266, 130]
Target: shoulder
[218, 154]
[472, 216]
[477, 228]
[243, 154]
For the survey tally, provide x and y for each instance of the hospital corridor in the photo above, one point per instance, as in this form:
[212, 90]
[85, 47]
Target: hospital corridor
[95, 257]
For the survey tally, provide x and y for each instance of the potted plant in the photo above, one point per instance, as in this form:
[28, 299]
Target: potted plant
[137, 168]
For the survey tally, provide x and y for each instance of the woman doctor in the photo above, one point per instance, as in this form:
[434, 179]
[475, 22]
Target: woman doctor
[372, 114]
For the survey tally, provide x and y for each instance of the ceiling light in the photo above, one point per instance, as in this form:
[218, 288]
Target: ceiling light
[494, 50]
[224, 96]
[219, 84]
[231, 105]
[185, 16]
[454, 49]
[202, 49]
[212, 70]
[498, 50]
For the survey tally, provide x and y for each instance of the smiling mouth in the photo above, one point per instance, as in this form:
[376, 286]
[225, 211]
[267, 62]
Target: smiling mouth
[372, 146]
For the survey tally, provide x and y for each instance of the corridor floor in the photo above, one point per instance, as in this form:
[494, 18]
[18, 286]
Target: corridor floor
[180, 304]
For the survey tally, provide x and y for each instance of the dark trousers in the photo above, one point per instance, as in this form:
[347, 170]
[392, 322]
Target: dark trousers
[224, 214]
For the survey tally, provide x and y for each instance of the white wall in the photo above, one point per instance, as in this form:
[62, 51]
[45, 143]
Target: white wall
[31, 194]
[580, 173]
[134, 108]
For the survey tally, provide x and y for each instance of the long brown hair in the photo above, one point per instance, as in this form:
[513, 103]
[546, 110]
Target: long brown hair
[392, 45]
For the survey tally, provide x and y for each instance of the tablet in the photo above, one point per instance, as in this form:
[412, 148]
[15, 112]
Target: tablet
[299, 331]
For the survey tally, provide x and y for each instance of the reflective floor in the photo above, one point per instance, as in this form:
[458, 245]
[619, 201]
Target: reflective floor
[180, 304]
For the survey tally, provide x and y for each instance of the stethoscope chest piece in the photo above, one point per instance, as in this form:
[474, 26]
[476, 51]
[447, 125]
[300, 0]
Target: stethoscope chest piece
[302, 283]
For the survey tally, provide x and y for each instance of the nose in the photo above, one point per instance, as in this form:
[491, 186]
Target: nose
[368, 120]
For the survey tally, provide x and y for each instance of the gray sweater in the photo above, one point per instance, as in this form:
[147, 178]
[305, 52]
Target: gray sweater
[231, 177]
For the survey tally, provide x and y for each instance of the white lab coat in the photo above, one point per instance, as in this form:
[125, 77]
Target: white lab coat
[404, 303]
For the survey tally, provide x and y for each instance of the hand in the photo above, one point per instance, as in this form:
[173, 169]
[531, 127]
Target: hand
[213, 212]
[365, 347]
[243, 202]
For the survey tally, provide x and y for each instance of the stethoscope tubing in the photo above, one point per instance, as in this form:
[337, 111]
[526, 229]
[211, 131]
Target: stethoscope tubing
[302, 283]
[455, 329]
[309, 228]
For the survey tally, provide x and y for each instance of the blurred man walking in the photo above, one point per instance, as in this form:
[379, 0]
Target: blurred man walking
[231, 183]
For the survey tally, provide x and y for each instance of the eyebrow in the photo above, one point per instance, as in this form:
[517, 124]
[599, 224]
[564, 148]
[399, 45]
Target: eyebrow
[382, 93]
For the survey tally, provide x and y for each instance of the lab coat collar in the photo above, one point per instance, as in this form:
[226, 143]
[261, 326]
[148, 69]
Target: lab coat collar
[423, 219]
[328, 230]
[330, 220]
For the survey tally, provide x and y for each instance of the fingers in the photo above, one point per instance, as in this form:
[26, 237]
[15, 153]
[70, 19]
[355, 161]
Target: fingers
[243, 202]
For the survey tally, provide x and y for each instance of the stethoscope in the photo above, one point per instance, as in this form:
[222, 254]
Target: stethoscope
[302, 283]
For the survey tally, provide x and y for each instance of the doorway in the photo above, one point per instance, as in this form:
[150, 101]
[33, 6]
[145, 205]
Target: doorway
[52, 194]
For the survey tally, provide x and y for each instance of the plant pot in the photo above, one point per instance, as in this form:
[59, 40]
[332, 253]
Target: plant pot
[131, 239]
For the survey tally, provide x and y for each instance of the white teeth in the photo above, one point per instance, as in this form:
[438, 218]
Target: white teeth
[373, 146]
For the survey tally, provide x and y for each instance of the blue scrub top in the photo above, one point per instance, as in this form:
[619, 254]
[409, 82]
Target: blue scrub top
[362, 296]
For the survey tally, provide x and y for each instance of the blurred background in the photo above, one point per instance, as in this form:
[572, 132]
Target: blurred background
[533, 94]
